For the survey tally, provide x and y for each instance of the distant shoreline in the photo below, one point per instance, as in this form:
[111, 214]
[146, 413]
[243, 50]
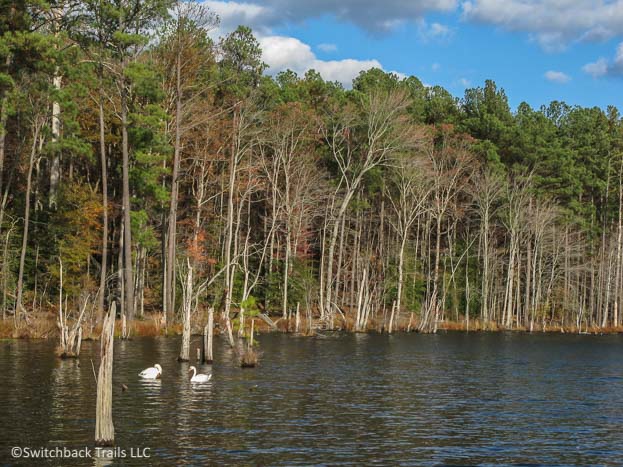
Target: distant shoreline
[43, 326]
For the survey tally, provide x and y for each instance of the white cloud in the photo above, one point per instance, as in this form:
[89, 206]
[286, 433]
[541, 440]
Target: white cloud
[434, 32]
[345, 70]
[464, 82]
[233, 14]
[281, 53]
[596, 69]
[551, 23]
[329, 48]
[557, 77]
[603, 67]
[372, 15]
[435, 67]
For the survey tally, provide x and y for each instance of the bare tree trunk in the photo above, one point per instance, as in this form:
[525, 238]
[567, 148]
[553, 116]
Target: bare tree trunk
[467, 290]
[401, 259]
[55, 166]
[187, 304]
[434, 300]
[360, 301]
[229, 273]
[104, 266]
[208, 334]
[510, 281]
[120, 276]
[339, 261]
[391, 318]
[169, 302]
[527, 301]
[297, 319]
[286, 274]
[328, 305]
[323, 248]
[5, 271]
[19, 308]
[485, 266]
[617, 280]
[104, 428]
[4, 115]
[127, 225]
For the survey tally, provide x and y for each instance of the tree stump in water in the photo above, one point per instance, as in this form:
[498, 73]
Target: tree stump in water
[187, 304]
[208, 333]
[249, 357]
[104, 428]
[70, 338]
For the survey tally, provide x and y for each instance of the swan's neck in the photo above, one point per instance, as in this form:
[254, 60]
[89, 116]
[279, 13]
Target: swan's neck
[194, 372]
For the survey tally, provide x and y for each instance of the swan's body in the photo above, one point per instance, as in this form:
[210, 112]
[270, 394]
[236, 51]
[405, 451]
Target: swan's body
[198, 378]
[153, 372]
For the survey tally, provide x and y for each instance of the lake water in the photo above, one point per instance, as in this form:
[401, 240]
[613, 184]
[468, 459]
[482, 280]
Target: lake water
[453, 398]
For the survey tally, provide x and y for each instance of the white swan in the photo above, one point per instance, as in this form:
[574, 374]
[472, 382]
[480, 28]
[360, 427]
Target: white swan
[153, 372]
[198, 378]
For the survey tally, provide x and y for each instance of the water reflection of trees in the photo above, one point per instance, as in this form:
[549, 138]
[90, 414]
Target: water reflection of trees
[72, 399]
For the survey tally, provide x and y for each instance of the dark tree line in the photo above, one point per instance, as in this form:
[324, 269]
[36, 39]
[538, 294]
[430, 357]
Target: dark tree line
[146, 164]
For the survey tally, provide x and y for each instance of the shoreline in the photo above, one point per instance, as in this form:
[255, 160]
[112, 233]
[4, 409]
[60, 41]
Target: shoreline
[44, 327]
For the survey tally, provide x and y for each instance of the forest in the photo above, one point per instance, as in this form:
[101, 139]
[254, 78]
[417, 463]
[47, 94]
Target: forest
[149, 165]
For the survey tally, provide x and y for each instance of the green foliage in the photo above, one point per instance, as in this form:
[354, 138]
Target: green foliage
[250, 307]
[77, 230]
[241, 64]
[439, 106]
[303, 282]
[143, 233]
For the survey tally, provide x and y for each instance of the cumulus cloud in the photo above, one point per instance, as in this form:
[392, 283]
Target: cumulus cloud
[372, 15]
[557, 77]
[603, 67]
[281, 53]
[551, 23]
[233, 14]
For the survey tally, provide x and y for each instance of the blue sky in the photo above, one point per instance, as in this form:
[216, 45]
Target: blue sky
[537, 50]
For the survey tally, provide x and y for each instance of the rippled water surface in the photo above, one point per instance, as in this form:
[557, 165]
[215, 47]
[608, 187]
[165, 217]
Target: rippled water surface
[453, 399]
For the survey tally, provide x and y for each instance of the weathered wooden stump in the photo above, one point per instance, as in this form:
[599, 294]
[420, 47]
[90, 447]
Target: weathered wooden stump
[104, 428]
[208, 333]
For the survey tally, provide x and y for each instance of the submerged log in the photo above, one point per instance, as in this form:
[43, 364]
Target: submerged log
[268, 321]
[104, 428]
